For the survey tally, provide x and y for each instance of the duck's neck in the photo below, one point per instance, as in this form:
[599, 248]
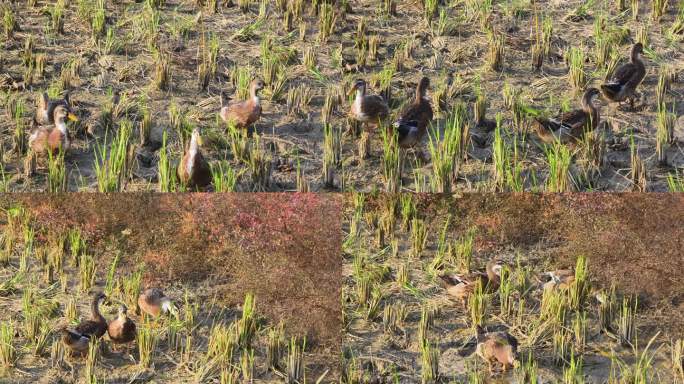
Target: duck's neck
[491, 274]
[123, 317]
[636, 58]
[193, 148]
[589, 108]
[254, 96]
[61, 126]
[95, 309]
[420, 92]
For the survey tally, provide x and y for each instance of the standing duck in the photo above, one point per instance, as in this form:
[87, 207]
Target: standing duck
[367, 108]
[44, 139]
[153, 302]
[193, 170]
[414, 120]
[499, 347]
[568, 127]
[244, 113]
[96, 326]
[74, 341]
[46, 108]
[122, 329]
[462, 286]
[626, 79]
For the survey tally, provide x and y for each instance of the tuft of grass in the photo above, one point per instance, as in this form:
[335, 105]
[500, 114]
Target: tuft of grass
[295, 361]
[576, 75]
[558, 157]
[391, 161]
[495, 53]
[626, 321]
[57, 180]
[86, 272]
[224, 178]
[110, 163]
[332, 153]
[8, 353]
[166, 172]
[477, 305]
[147, 342]
[429, 355]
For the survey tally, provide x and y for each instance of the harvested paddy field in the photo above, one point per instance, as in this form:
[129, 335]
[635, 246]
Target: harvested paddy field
[142, 76]
[566, 289]
[214, 298]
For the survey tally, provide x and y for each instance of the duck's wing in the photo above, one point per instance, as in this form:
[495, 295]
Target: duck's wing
[419, 112]
[449, 280]
[374, 105]
[571, 119]
[89, 328]
[623, 74]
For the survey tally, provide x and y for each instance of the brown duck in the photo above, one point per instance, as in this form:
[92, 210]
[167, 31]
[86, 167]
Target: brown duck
[154, 302]
[51, 138]
[497, 347]
[462, 286]
[367, 108]
[75, 342]
[244, 113]
[96, 326]
[46, 108]
[414, 120]
[626, 79]
[568, 127]
[122, 329]
[560, 279]
[193, 170]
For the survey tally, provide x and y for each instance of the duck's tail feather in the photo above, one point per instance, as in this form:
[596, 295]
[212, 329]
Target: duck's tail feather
[611, 88]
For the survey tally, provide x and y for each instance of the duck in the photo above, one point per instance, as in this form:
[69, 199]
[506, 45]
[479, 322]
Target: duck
[496, 347]
[462, 286]
[46, 108]
[75, 342]
[193, 170]
[154, 302]
[414, 120]
[96, 325]
[367, 109]
[560, 279]
[244, 113]
[569, 127]
[626, 78]
[122, 329]
[44, 140]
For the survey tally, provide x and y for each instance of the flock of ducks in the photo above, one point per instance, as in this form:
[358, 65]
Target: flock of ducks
[52, 134]
[498, 347]
[121, 330]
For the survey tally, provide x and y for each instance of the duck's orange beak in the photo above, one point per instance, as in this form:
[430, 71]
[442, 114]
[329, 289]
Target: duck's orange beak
[72, 117]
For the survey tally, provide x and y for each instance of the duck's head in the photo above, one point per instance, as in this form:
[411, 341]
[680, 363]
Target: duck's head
[359, 84]
[196, 137]
[123, 310]
[590, 93]
[62, 113]
[638, 48]
[257, 85]
[100, 297]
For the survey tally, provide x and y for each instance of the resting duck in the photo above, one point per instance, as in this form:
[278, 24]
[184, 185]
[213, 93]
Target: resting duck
[462, 286]
[367, 108]
[560, 279]
[500, 347]
[44, 139]
[193, 170]
[122, 329]
[244, 113]
[569, 127]
[413, 123]
[626, 78]
[46, 108]
[97, 325]
[75, 342]
[152, 301]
